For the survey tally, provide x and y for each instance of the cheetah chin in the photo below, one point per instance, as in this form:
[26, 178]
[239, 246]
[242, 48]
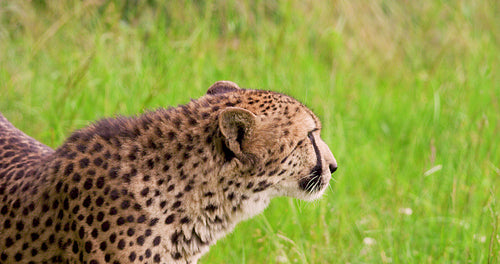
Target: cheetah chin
[160, 187]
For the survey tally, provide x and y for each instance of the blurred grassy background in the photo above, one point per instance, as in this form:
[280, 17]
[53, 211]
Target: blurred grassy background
[408, 92]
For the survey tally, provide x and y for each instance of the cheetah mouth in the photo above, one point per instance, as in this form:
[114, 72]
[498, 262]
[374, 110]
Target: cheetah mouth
[314, 181]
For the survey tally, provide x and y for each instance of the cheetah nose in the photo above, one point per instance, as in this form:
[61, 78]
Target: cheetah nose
[333, 167]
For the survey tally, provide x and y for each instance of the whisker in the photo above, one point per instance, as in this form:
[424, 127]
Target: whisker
[330, 187]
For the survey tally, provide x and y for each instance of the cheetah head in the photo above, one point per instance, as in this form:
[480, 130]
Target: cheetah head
[274, 141]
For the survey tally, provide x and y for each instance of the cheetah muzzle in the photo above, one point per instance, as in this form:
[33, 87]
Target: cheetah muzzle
[161, 187]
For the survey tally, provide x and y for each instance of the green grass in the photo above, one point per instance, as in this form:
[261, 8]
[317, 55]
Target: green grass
[408, 92]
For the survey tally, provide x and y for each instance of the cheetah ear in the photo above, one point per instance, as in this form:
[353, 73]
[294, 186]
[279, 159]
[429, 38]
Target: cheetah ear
[236, 125]
[222, 87]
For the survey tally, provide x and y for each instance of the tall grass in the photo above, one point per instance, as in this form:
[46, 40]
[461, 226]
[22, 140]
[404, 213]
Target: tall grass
[408, 92]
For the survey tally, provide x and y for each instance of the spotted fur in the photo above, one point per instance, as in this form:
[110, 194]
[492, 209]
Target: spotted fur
[157, 188]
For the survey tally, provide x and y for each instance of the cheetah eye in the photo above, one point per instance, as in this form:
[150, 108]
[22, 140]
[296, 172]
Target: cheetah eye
[309, 136]
[312, 131]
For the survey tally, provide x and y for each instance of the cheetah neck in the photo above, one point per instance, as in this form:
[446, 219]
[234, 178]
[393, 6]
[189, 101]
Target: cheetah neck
[177, 176]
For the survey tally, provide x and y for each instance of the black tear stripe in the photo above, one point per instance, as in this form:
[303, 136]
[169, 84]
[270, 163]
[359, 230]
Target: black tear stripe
[318, 169]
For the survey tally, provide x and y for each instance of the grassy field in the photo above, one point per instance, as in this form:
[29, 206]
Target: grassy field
[408, 92]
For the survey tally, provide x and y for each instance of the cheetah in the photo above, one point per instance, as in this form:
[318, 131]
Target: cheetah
[160, 187]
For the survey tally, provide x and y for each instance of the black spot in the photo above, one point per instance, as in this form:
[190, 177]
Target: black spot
[211, 208]
[125, 204]
[34, 236]
[130, 218]
[81, 232]
[48, 222]
[114, 194]
[156, 241]
[20, 173]
[16, 204]
[73, 194]
[132, 156]
[6, 224]
[140, 240]
[97, 147]
[99, 201]
[120, 221]
[86, 202]
[158, 132]
[153, 221]
[88, 246]
[8, 154]
[113, 172]
[132, 256]
[113, 211]
[55, 204]
[81, 148]
[88, 184]
[174, 238]
[9, 242]
[177, 122]
[90, 219]
[176, 204]
[20, 226]
[105, 226]
[145, 191]
[170, 135]
[170, 219]
[188, 188]
[98, 161]
[100, 182]
[121, 244]
[141, 219]
[75, 247]
[68, 170]
[18, 257]
[150, 164]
